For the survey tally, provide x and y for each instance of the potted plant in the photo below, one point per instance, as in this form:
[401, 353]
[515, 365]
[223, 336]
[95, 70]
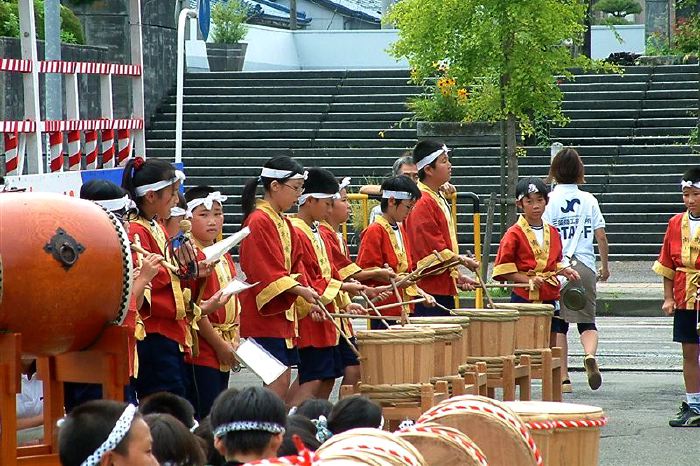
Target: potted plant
[227, 52]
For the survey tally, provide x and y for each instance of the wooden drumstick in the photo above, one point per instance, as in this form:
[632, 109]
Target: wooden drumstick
[387, 306]
[340, 330]
[404, 317]
[139, 256]
[451, 312]
[342, 315]
[139, 250]
[481, 283]
[372, 306]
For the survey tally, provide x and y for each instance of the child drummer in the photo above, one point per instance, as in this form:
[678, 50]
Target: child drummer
[678, 264]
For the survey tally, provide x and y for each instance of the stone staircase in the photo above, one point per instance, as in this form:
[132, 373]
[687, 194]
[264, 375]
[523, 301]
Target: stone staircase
[631, 131]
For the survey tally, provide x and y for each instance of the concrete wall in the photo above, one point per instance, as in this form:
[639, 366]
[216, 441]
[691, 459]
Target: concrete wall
[604, 41]
[107, 23]
[11, 90]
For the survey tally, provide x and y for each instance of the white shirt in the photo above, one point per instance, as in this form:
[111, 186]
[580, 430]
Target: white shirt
[30, 402]
[694, 224]
[539, 234]
[567, 203]
[374, 213]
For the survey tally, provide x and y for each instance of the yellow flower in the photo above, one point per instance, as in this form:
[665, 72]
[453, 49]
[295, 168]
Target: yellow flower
[442, 82]
[381, 134]
[462, 93]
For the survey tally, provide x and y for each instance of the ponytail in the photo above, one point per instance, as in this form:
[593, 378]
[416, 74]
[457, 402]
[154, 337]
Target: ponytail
[248, 197]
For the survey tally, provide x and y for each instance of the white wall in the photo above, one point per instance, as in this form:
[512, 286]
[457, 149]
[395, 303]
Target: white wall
[270, 49]
[604, 42]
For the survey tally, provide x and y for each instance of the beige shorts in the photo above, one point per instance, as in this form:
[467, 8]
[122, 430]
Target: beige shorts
[588, 282]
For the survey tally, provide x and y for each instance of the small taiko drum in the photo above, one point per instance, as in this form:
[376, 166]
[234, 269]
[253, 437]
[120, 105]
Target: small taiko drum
[534, 325]
[461, 351]
[448, 339]
[568, 434]
[403, 355]
[371, 444]
[499, 433]
[65, 271]
[443, 446]
[491, 332]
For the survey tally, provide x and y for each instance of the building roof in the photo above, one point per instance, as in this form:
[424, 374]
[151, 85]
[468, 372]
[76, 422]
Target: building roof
[366, 10]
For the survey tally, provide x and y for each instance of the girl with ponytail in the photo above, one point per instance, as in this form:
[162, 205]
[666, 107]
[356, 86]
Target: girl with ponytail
[271, 257]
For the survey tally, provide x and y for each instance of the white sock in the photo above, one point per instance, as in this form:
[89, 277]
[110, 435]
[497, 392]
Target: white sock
[693, 400]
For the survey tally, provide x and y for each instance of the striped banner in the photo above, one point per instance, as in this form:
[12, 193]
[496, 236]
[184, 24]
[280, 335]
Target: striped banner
[123, 147]
[56, 152]
[11, 153]
[74, 154]
[91, 149]
[108, 148]
[15, 65]
[71, 67]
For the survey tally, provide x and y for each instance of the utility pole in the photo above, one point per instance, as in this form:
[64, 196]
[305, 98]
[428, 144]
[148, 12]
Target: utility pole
[52, 51]
[293, 15]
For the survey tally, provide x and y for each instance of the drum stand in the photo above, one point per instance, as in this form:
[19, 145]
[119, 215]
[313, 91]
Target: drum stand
[106, 362]
[545, 365]
[503, 372]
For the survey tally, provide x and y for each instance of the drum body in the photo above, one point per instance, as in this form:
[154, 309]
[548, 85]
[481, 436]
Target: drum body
[443, 446]
[371, 446]
[396, 356]
[569, 433]
[66, 271]
[491, 332]
[460, 351]
[534, 325]
[448, 345]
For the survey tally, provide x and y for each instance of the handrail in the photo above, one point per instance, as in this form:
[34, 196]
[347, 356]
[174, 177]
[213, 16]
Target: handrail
[184, 14]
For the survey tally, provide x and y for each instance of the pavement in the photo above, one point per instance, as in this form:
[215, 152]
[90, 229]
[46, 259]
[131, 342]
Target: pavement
[642, 388]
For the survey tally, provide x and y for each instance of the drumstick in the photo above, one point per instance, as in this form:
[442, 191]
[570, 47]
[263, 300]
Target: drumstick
[387, 306]
[415, 273]
[343, 315]
[163, 262]
[139, 256]
[452, 313]
[404, 317]
[372, 306]
[340, 330]
[481, 283]
[509, 285]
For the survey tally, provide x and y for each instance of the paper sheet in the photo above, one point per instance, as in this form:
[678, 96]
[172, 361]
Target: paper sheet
[236, 286]
[257, 359]
[214, 252]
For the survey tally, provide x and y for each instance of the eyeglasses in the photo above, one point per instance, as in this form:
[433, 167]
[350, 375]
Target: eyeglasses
[299, 190]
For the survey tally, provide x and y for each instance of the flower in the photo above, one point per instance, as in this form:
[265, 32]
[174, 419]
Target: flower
[462, 93]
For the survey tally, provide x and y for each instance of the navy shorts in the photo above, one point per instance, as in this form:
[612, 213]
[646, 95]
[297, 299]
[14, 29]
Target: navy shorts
[75, 394]
[161, 367]
[347, 357]
[319, 364]
[278, 348]
[422, 310]
[375, 324]
[685, 326]
[203, 386]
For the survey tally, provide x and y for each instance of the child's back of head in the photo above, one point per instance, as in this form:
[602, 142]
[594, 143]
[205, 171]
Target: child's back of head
[313, 408]
[354, 412]
[303, 428]
[173, 443]
[169, 403]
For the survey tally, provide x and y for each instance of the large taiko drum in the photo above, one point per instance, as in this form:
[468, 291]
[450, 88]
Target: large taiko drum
[491, 331]
[403, 355]
[371, 446]
[568, 434]
[448, 340]
[534, 325]
[443, 446]
[499, 433]
[459, 352]
[66, 271]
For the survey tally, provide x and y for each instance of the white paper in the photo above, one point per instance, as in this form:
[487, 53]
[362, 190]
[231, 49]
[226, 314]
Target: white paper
[236, 286]
[214, 252]
[257, 359]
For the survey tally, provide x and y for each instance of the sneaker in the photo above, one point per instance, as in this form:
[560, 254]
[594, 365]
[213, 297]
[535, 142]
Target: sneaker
[595, 380]
[686, 417]
[566, 386]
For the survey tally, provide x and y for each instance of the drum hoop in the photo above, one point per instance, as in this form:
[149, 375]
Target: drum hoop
[410, 456]
[440, 431]
[492, 410]
[127, 267]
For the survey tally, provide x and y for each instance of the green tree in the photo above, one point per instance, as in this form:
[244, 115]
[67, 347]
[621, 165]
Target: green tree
[229, 21]
[618, 9]
[71, 30]
[507, 53]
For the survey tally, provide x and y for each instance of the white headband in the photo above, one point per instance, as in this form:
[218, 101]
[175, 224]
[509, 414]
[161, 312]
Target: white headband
[690, 184]
[142, 190]
[401, 195]
[531, 188]
[304, 197]
[177, 212]
[345, 183]
[207, 202]
[121, 428]
[246, 426]
[113, 205]
[430, 158]
[282, 174]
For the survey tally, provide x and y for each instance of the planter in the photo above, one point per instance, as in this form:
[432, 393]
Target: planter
[461, 134]
[226, 57]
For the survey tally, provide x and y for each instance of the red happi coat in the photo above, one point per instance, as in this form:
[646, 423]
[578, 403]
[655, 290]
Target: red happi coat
[519, 251]
[164, 305]
[679, 260]
[224, 320]
[270, 256]
[379, 246]
[323, 277]
[430, 227]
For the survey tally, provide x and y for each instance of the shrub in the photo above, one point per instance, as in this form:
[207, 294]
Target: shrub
[71, 30]
[687, 34]
[229, 21]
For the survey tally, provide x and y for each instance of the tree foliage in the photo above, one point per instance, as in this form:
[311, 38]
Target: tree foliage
[71, 30]
[618, 8]
[229, 21]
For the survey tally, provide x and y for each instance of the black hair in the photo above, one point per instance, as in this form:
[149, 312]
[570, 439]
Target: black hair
[198, 192]
[250, 404]
[424, 149]
[302, 427]
[523, 188]
[86, 428]
[280, 162]
[321, 180]
[169, 403]
[204, 432]
[139, 172]
[101, 190]
[173, 443]
[312, 408]
[352, 412]
[692, 175]
[567, 167]
[399, 183]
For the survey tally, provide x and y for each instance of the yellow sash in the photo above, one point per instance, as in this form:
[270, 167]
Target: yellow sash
[541, 253]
